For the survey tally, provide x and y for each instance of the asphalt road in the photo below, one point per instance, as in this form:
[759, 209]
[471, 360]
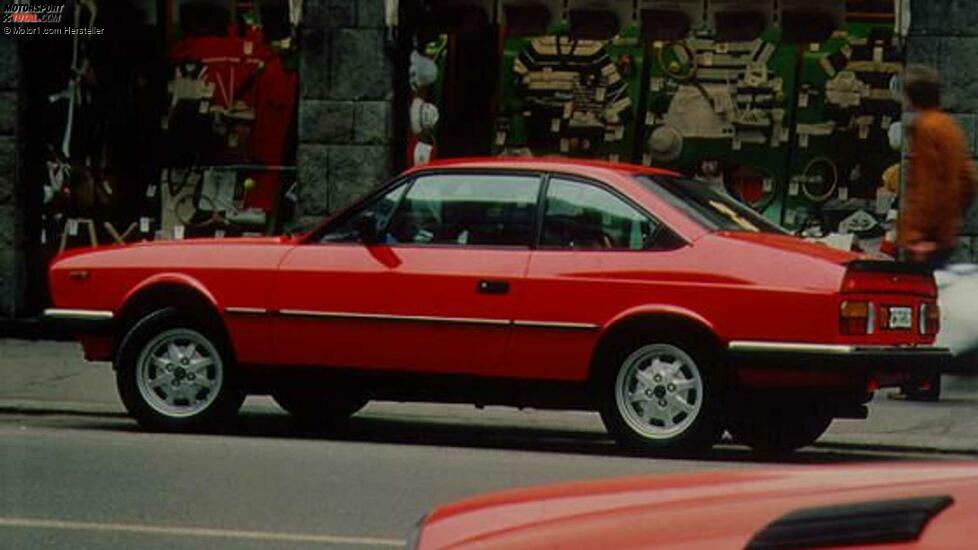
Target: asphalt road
[95, 481]
[75, 472]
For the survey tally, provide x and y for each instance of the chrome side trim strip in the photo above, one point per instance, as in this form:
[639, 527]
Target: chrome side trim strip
[245, 311]
[389, 317]
[83, 314]
[829, 349]
[556, 325]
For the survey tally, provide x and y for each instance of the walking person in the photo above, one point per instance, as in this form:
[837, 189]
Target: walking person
[939, 187]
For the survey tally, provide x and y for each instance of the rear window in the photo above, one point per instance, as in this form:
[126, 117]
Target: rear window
[713, 210]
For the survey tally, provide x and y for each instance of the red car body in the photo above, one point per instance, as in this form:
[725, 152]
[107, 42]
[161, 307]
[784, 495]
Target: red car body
[764, 299]
[706, 510]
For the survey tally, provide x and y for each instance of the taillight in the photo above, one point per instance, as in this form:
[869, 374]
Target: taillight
[856, 318]
[930, 319]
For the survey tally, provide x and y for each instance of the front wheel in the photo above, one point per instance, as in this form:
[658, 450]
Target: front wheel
[175, 374]
[660, 397]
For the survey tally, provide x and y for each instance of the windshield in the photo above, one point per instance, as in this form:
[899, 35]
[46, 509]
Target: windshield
[712, 209]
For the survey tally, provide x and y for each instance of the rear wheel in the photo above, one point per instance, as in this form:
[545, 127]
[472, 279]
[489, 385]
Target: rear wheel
[318, 406]
[779, 426]
[923, 388]
[661, 395]
[175, 373]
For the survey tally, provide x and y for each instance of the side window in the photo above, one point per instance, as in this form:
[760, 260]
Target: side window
[584, 216]
[467, 209]
[377, 213]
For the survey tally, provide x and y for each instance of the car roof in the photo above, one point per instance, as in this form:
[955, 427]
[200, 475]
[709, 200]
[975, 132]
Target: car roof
[593, 168]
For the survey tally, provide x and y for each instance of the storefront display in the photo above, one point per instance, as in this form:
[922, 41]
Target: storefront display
[573, 91]
[785, 105]
[213, 151]
[720, 92]
[847, 105]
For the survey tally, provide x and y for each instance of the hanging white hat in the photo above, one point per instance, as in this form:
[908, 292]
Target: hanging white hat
[423, 115]
[422, 153]
[422, 71]
[665, 144]
[895, 134]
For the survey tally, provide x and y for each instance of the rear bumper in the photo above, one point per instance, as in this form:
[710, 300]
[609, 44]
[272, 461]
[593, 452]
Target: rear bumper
[80, 321]
[831, 356]
[862, 360]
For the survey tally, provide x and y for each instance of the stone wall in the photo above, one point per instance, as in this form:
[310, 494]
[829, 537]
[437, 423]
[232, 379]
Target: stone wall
[346, 83]
[944, 35]
[11, 196]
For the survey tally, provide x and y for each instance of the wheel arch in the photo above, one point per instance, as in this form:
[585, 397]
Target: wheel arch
[646, 320]
[169, 290]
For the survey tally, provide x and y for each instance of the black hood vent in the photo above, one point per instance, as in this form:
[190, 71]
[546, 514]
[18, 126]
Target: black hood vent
[879, 522]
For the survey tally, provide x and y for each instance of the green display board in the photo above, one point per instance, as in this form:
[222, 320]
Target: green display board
[845, 110]
[730, 103]
[797, 130]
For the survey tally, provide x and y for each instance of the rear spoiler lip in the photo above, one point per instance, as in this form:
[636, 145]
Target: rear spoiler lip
[889, 266]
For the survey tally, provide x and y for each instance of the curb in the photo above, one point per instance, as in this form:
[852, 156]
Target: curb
[32, 407]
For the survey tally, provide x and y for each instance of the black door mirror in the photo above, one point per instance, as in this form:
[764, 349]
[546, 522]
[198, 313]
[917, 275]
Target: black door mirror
[367, 228]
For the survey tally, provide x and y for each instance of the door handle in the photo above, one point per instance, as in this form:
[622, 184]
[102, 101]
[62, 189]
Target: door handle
[492, 287]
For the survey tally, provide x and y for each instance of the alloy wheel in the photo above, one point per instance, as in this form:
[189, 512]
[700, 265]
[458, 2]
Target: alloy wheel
[179, 373]
[659, 391]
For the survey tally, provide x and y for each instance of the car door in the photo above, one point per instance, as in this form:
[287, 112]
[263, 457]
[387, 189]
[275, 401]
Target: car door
[598, 255]
[431, 294]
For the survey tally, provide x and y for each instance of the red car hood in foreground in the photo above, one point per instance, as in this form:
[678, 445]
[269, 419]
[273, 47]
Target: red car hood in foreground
[709, 510]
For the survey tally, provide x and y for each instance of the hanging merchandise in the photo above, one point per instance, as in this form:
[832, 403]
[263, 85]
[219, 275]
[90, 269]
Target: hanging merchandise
[572, 91]
[423, 115]
[231, 111]
[753, 186]
[422, 71]
[847, 114]
[820, 179]
[724, 82]
[665, 144]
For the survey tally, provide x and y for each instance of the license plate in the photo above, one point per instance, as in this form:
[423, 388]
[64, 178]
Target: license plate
[900, 318]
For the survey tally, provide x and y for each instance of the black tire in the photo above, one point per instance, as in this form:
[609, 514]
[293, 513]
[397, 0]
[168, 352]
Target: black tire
[774, 428]
[624, 418]
[146, 405]
[320, 407]
[924, 388]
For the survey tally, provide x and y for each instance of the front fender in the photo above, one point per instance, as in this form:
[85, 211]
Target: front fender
[168, 278]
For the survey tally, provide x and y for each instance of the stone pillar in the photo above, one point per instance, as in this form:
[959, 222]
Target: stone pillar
[346, 90]
[944, 35]
[12, 196]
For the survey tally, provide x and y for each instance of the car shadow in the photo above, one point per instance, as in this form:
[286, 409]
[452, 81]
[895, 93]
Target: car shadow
[389, 430]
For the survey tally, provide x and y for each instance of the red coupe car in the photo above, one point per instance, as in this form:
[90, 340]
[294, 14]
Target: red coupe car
[887, 506]
[673, 310]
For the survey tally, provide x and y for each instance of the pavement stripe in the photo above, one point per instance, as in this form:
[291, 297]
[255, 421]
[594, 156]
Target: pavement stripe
[196, 532]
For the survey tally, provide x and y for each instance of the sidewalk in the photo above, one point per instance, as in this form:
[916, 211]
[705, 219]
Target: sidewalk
[47, 377]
